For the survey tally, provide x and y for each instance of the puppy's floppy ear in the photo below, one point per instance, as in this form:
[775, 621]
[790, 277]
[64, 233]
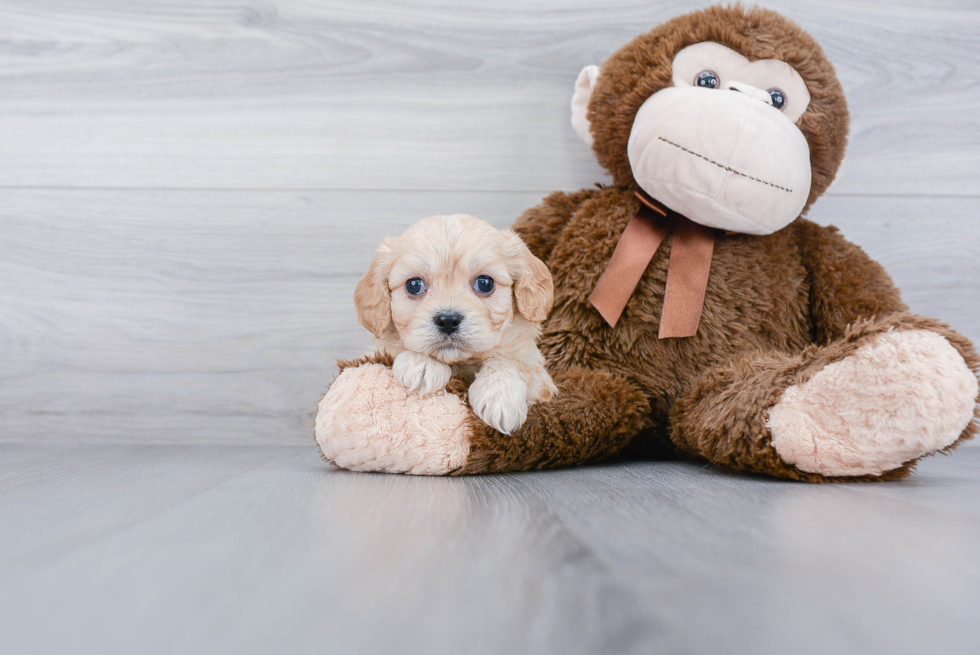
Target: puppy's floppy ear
[372, 298]
[533, 287]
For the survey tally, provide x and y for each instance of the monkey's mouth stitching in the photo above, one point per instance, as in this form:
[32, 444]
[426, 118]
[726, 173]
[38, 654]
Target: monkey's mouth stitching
[727, 168]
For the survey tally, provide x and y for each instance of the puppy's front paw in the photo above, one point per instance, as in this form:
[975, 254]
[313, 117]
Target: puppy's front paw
[420, 373]
[498, 397]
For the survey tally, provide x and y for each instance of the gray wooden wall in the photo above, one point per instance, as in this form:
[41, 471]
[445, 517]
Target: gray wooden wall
[189, 190]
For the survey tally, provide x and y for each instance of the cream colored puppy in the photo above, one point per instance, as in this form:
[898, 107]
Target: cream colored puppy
[454, 294]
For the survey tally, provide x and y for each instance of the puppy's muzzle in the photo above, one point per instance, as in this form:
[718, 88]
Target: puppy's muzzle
[448, 322]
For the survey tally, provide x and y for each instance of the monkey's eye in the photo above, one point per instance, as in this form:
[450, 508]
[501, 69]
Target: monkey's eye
[708, 80]
[483, 284]
[415, 286]
[778, 99]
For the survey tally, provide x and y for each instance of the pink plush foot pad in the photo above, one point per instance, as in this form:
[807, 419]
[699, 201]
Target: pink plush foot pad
[906, 395]
[369, 422]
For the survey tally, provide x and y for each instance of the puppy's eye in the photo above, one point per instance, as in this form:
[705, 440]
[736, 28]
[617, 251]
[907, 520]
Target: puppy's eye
[415, 286]
[483, 284]
[707, 79]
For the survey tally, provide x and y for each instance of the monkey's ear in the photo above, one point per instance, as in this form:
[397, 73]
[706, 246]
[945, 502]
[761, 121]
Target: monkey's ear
[372, 297]
[533, 286]
[580, 101]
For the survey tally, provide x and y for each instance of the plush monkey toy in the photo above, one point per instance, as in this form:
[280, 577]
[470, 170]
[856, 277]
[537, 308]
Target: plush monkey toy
[697, 313]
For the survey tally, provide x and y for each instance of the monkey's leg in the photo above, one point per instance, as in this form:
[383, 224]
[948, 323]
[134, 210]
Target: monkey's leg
[369, 422]
[593, 416]
[866, 406]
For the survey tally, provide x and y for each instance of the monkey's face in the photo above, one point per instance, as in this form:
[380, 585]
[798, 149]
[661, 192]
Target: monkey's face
[723, 139]
[721, 146]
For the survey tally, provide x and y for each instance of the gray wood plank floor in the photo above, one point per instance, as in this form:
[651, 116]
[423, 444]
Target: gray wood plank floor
[219, 549]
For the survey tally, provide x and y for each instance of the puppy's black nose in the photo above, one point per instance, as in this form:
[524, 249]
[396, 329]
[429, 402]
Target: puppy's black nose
[448, 322]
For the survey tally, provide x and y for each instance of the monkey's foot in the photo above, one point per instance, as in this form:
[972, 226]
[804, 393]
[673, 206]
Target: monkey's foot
[369, 421]
[905, 395]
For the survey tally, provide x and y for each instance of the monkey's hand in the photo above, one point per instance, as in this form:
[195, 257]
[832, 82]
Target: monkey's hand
[421, 373]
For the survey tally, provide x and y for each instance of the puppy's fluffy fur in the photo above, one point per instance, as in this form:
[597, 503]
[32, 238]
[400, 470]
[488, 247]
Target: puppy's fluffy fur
[452, 325]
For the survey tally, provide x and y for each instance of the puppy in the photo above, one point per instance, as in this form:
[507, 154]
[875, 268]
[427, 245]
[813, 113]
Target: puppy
[454, 294]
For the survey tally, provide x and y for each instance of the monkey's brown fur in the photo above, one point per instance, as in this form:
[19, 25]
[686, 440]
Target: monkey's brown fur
[643, 67]
[777, 310]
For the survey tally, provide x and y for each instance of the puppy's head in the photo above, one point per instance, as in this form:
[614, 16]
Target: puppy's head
[450, 286]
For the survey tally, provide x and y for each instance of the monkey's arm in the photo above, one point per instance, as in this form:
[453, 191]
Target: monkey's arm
[845, 284]
[540, 226]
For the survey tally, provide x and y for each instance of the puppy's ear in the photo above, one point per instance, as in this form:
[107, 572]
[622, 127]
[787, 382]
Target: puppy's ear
[372, 298]
[533, 287]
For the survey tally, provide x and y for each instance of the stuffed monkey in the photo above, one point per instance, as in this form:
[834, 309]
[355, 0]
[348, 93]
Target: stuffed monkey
[697, 312]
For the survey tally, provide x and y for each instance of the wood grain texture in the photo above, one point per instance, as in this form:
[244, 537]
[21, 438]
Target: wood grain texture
[218, 549]
[181, 316]
[185, 315]
[153, 306]
[422, 94]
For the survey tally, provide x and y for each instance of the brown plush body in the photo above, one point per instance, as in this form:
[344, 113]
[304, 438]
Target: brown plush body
[786, 316]
[778, 309]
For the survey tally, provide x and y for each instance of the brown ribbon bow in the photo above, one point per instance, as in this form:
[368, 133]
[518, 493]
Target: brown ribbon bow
[687, 272]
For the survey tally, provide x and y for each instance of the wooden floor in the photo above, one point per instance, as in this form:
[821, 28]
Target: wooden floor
[266, 549]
